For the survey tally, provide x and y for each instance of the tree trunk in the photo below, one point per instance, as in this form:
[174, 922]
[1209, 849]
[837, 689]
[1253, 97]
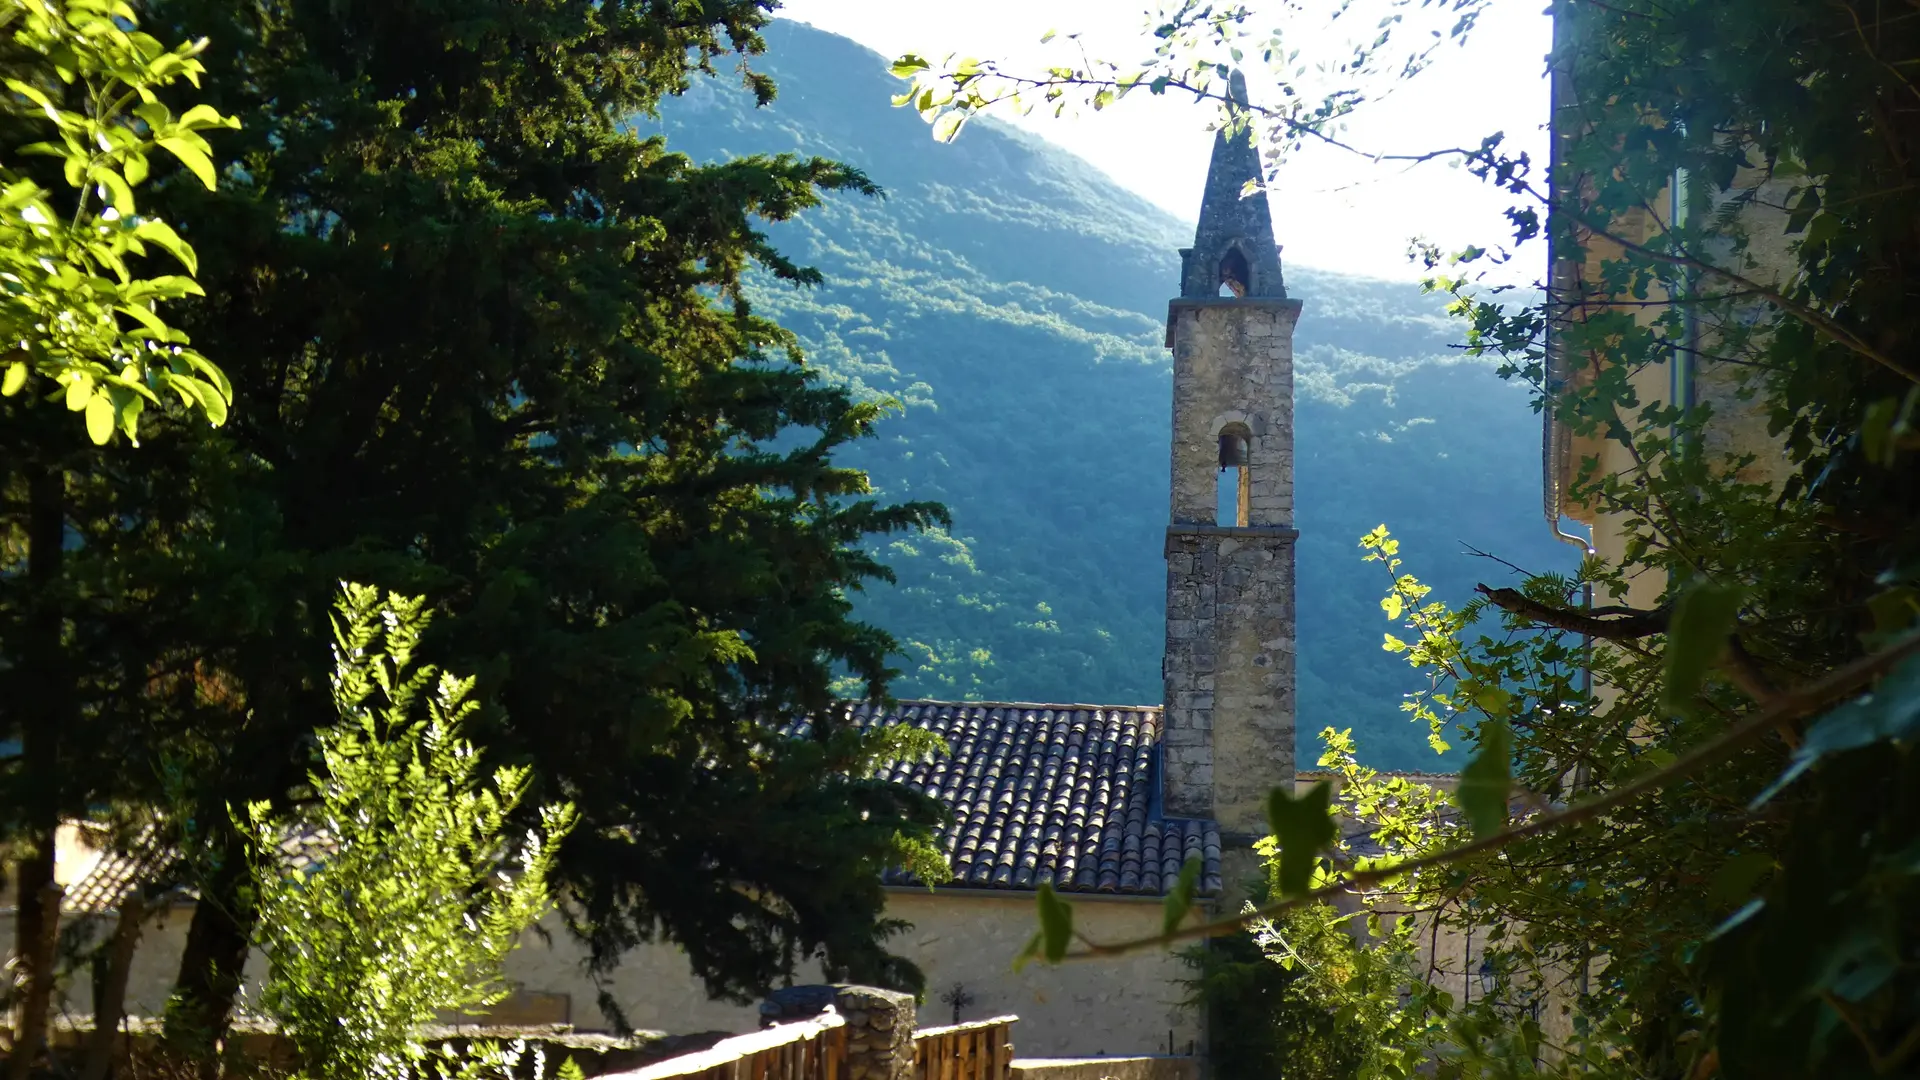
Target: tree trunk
[215, 959]
[39, 954]
[47, 698]
[110, 990]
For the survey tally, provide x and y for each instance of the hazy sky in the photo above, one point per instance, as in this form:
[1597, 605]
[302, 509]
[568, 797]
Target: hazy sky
[1332, 210]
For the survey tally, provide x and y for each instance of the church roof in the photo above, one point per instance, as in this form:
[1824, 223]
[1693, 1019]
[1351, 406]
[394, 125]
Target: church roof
[1067, 794]
[1061, 793]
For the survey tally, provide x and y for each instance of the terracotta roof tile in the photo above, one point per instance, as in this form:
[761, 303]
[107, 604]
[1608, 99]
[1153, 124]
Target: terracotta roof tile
[1050, 793]
[1037, 793]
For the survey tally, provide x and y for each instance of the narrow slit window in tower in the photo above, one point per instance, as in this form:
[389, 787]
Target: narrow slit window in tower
[1232, 490]
[1234, 273]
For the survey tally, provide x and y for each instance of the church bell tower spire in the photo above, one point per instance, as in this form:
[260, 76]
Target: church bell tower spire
[1233, 249]
[1229, 666]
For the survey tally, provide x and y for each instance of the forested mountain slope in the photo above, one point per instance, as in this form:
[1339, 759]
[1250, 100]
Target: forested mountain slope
[1013, 299]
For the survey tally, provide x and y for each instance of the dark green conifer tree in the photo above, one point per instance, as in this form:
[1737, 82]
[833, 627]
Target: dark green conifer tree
[489, 346]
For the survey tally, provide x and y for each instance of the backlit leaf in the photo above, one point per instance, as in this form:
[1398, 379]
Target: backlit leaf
[1303, 826]
[947, 127]
[1487, 781]
[1056, 924]
[192, 157]
[100, 419]
[1180, 897]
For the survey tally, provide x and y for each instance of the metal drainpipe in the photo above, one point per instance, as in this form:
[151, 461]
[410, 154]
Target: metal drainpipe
[1560, 282]
[1681, 389]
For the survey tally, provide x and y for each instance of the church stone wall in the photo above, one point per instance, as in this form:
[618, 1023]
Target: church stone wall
[1128, 1005]
[1232, 364]
[1230, 649]
[1230, 664]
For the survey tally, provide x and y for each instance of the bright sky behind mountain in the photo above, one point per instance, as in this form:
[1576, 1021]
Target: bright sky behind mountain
[1333, 210]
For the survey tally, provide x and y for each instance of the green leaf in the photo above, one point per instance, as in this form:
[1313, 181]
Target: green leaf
[119, 192]
[1494, 701]
[907, 66]
[1889, 711]
[1393, 604]
[192, 157]
[100, 416]
[159, 232]
[1180, 897]
[205, 116]
[1702, 618]
[1056, 924]
[1487, 781]
[15, 379]
[1737, 877]
[1304, 828]
[1876, 431]
[947, 127]
[1030, 953]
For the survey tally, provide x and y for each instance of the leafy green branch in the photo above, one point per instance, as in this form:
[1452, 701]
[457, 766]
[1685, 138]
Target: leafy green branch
[73, 308]
[1310, 832]
[1197, 46]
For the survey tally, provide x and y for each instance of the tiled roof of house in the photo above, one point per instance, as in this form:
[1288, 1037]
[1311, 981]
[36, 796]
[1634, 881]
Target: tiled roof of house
[1066, 794]
[113, 875]
[150, 861]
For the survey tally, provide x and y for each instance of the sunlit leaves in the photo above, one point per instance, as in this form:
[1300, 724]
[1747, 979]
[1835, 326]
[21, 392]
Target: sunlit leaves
[72, 305]
[415, 886]
[907, 66]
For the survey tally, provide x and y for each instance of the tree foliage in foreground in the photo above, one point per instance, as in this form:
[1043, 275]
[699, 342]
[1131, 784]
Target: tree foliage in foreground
[394, 897]
[495, 352]
[75, 308]
[1701, 861]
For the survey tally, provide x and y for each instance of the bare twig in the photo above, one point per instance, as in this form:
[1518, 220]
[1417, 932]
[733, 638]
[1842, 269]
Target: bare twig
[1478, 554]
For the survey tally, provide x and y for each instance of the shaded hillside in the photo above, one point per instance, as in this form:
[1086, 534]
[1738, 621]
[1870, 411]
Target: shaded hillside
[1013, 298]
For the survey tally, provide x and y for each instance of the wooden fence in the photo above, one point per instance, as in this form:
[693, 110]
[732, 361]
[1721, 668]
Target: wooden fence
[981, 1050]
[808, 1050]
[817, 1050]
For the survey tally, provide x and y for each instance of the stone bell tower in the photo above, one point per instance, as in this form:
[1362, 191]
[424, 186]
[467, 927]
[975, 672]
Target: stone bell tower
[1229, 665]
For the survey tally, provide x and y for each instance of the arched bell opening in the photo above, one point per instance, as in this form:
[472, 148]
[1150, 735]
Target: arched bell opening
[1236, 277]
[1232, 495]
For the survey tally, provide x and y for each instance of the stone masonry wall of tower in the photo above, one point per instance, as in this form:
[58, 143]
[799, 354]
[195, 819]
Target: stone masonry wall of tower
[1230, 660]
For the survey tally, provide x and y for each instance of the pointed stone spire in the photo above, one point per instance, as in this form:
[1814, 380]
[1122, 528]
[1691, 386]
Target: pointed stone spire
[1233, 245]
